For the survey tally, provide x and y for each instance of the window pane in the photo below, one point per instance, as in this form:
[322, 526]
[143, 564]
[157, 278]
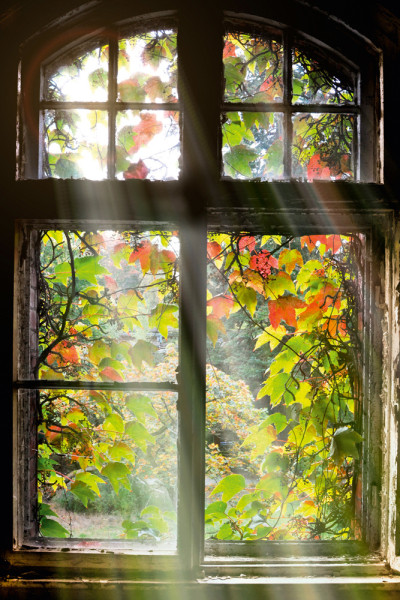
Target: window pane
[252, 68]
[82, 78]
[108, 306]
[107, 466]
[147, 67]
[323, 146]
[252, 145]
[75, 144]
[283, 387]
[316, 81]
[147, 145]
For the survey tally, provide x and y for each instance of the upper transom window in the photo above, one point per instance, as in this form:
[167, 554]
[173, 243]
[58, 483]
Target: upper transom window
[288, 112]
[111, 110]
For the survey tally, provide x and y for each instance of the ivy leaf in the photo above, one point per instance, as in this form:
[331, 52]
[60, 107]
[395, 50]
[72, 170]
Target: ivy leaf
[278, 284]
[229, 486]
[114, 423]
[343, 443]
[90, 479]
[136, 171]
[67, 169]
[131, 90]
[82, 491]
[221, 306]
[260, 439]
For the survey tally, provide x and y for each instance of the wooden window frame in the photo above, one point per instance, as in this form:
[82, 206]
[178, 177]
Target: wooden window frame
[196, 201]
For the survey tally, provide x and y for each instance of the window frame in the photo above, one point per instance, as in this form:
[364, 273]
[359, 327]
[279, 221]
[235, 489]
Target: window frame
[195, 205]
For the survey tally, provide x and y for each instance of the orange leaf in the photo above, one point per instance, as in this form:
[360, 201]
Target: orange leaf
[142, 254]
[317, 168]
[283, 309]
[221, 306]
[144, 132]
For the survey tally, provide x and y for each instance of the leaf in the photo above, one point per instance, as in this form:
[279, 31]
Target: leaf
[121, 450]
[229, 486]
[114, 423]
[131, 90]
[110, 374]
[275, 387]
[88, 268]
[216, 510]
[51, 528]
[67, 169]
[260, 439]
[163, 317]
[247, 242]
[90, 479]
[289, 259]
[141, 352]
[213, 250]
[278, 284]
[272, 484]
[141, 406]
[98, 78]
[221, 306]
[82, 491]
[283, 309]
[145, 130]
[343, 443]
[246, 297]
[214, 325]
[136, 171]
[238, 158]
[139, 434]
[117, 473]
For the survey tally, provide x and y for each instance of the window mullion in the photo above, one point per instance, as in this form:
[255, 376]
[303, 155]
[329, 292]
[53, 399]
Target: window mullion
[112, 97]
[192, 393]
[287, 101]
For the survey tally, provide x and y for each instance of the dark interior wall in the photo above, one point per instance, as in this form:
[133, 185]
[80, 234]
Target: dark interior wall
[378, 23]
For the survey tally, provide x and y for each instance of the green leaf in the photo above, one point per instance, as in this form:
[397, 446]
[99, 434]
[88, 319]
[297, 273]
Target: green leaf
[229, 486]
[114, 423]
[141, 352]
[82, 491]
[67, 169]
[162, 317]
[238, 159]
[121, 450]
[90, 479]
[141, 406]
[51, 528]
[88, 268]
[117, 473]
[139, 434]
[343, 443]
[216, 510]
[44, 510]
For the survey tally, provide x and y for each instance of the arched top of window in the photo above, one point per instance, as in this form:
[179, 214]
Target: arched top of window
[290, 108]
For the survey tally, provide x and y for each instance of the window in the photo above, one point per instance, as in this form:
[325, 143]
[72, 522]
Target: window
[124, 398]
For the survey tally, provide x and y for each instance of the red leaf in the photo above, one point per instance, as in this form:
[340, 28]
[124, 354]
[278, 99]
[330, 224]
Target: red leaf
[229, 50]
[283, 309]
[317, 168]
[108, 373]
[247, 242]
[311, 241]
[111, 284]
[213, 249]
[221, 305]
[333, 242]
[143, 254]
[144, 132]
[136, 171]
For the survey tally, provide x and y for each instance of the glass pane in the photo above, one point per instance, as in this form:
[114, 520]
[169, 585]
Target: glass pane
[107, 466]
[252, 68]
[315, 81]
[108, 306]
[147, 144]
[75, 144]
[283, 387]
[323, 146]
[252, 145]
[147, 67]
[82, 78]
